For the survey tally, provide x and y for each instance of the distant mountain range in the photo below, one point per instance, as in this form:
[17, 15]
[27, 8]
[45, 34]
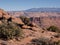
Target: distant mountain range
[37, 12]
[43, 10]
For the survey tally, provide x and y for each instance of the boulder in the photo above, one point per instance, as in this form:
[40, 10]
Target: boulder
[34, 28]
[6, 16]
[17, 20]
[26, 27]
[32, 24]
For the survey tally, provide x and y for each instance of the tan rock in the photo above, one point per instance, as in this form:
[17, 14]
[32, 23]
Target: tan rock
[1, 14]
[26, 27]
[5, 13]
[34, 28]
[17, 20]
[0, 22]
[6, 16]
[33, 24]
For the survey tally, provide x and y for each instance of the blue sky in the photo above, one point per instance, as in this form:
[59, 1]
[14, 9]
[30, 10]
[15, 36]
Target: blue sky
[16, 5]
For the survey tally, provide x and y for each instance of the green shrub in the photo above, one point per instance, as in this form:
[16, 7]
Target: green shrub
[53, 29]
[58, 43]
[9, 31]
[44, 41]
[26, 20]
[40, 41]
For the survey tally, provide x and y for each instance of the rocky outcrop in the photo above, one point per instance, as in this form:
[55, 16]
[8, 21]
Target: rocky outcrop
[17, 20]
[5, 16]
[26, 27]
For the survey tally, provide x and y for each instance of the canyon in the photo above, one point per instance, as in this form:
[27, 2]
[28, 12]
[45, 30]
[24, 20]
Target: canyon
[43, 17]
